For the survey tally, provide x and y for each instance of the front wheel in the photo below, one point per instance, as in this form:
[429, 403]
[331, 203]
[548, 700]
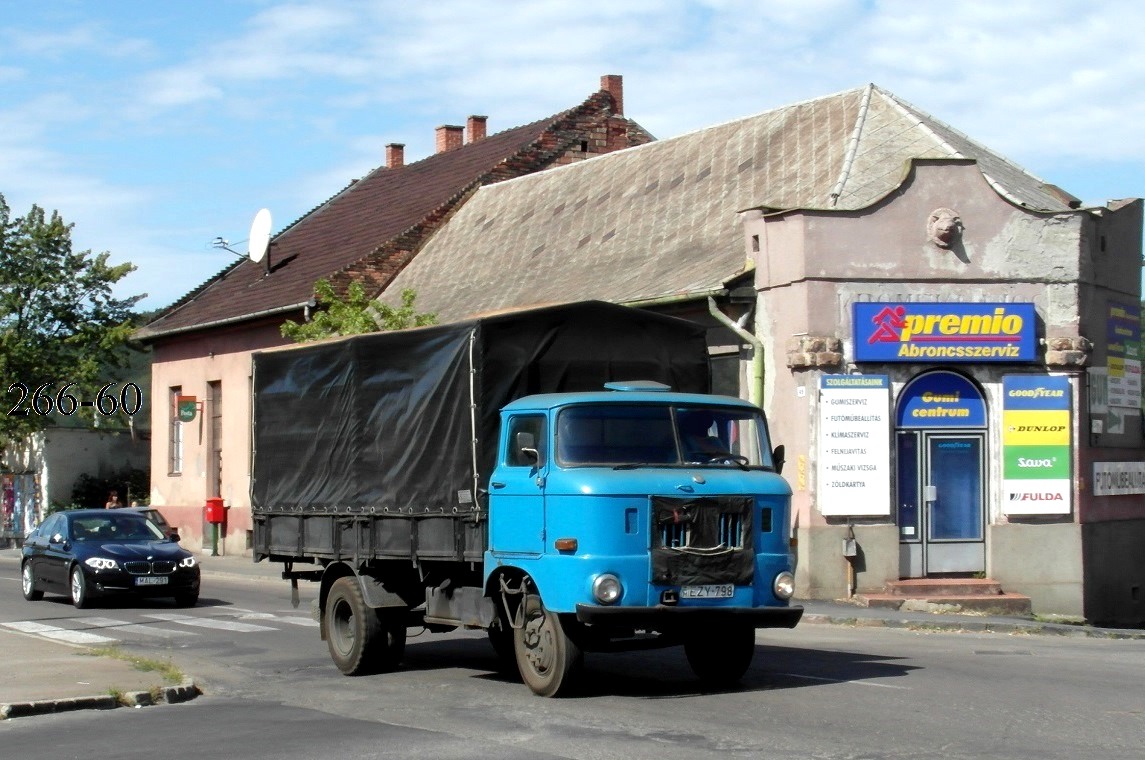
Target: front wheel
[80, 595]
[28, 584]
[721, 658]
[547, 658]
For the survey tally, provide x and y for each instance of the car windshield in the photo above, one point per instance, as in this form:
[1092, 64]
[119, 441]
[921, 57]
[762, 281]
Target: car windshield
[115, 527]
[620, 434]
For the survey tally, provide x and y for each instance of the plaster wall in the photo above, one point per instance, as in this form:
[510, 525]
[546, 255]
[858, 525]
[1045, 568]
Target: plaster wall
[191, 363]
[1041, 561]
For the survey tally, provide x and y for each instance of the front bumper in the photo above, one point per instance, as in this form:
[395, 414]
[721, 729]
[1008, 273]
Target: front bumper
[119, 582]
[663, 617]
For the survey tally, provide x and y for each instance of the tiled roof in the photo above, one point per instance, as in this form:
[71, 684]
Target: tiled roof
[659, 221]
[357, 224]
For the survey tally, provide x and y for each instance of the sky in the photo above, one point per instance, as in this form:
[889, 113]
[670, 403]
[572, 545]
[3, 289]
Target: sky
[156, 128]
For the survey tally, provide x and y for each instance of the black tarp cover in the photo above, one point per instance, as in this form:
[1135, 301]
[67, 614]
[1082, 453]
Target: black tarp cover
[383, 423]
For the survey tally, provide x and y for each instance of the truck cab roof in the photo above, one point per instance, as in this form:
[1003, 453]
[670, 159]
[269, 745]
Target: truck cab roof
[639, 396]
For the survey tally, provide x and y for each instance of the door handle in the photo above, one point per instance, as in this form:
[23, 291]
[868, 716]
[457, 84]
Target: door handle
[495, 484]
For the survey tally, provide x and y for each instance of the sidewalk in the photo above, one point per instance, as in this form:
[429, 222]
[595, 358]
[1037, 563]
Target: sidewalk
[54, 676]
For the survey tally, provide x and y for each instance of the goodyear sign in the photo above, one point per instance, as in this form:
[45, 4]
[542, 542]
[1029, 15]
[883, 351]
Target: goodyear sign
[944, 332]
[1036, 445]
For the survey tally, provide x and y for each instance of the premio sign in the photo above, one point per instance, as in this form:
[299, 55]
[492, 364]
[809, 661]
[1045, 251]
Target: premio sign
[944, 332]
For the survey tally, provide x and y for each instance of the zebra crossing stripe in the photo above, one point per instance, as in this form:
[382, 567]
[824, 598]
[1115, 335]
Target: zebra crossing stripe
[221, 625]
[292, 619]
[123, 626]
[58, 634]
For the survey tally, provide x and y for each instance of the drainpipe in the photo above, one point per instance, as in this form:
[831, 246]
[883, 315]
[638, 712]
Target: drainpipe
[755, 390]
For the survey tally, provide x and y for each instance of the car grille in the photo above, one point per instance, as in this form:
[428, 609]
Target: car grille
[165, 567]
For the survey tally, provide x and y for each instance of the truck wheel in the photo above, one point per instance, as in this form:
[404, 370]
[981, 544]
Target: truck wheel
[721, 658]
[547, 659]
[353, 630]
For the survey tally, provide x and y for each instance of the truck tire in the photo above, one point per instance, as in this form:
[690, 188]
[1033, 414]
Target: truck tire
[720, 658]
[353, 630]
[547, 658]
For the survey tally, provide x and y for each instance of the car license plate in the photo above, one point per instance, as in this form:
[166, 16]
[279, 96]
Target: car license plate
[151, 580]
[711, 591]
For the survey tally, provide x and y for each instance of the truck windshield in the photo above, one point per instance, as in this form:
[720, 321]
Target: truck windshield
[617, 434]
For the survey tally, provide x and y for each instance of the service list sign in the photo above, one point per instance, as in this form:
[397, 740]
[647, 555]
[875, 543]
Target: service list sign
[854, 445]
[1036, 445]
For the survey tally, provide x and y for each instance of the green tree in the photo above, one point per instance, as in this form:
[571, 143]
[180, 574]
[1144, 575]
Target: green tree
[59, 322]
[354, 314]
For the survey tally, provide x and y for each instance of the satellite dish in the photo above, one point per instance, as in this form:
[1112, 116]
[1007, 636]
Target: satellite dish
[259, 238]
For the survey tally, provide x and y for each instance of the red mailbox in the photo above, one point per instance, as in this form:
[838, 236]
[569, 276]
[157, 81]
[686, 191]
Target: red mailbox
[216, 512]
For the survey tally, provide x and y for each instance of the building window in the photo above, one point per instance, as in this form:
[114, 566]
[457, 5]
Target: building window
[175, 434]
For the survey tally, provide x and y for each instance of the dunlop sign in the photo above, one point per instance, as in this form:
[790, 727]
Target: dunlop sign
[1036, 450]
[944, 332]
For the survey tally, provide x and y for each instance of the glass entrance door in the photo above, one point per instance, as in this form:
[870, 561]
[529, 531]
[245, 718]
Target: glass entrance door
[941, 498]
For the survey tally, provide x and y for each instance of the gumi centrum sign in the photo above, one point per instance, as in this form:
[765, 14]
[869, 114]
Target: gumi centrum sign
[908, 331]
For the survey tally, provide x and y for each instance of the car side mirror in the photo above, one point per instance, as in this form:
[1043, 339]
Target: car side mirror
[777, 456]
[175, 536]
[57, 538]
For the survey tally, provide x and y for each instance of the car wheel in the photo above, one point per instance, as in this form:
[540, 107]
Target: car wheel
[549, 661]
[28, 584]
[81, 597]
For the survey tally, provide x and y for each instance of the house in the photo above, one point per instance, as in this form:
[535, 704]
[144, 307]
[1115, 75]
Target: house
[853, 252]
[366, 233]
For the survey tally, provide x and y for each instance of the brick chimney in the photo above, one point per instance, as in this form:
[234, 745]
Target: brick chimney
[475, 128]
[395, 155]
[449, 137]
[613, 84]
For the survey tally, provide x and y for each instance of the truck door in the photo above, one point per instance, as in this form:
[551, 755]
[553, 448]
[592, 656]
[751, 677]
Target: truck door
[517, 488]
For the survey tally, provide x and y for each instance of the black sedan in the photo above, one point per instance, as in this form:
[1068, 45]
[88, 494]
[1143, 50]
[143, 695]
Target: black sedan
[86, 553]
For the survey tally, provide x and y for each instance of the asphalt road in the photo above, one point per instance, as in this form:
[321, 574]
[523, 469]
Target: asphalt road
[818, 691]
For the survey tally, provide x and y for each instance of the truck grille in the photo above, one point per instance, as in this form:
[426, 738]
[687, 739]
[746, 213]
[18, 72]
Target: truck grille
[702, 540]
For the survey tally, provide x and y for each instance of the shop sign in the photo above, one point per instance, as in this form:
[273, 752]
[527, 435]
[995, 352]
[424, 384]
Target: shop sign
[1118, 478]
[909, 331]
[186, 408]
[1036, 445]
[854, 445]
[941, 400]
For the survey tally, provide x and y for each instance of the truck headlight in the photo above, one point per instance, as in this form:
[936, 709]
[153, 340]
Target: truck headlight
[606, 589]
[784, 585]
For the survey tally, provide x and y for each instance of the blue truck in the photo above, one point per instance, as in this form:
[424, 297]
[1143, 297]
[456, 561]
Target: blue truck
[559, 477]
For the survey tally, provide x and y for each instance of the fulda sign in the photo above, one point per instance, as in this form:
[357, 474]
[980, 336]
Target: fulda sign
[944, 332]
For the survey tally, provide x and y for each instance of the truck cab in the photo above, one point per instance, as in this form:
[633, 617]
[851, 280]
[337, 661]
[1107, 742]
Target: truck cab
[636, 515]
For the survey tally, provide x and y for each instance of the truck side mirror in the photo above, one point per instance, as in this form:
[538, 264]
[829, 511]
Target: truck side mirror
[527, 446]
[777, 456]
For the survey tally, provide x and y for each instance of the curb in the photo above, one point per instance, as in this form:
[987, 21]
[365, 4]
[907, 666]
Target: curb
[183, 692]
[973, 626]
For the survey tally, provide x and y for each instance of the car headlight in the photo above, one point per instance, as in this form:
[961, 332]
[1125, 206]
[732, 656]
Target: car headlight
[101, 563]
[784, 585]
[188, 562]
[606, 589]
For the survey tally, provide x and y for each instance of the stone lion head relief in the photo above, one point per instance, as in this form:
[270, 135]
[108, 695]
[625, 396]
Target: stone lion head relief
[944, 227]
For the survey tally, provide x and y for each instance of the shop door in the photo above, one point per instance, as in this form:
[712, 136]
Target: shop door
[941, 502]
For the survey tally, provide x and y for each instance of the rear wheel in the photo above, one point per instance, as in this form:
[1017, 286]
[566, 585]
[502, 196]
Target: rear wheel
[80, 595]
[28, 584]
[720, 658]
[546, 657]
[361, 639]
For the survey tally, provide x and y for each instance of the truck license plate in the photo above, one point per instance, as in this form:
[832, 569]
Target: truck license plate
[711, 591]
[151, 580]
